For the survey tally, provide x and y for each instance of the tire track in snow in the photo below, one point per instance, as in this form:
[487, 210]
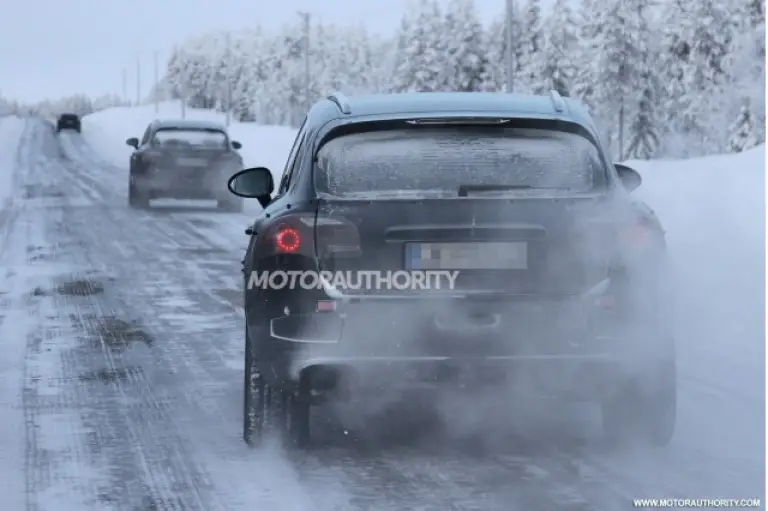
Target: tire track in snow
[14, 326]
[123, 427]
[59, 470]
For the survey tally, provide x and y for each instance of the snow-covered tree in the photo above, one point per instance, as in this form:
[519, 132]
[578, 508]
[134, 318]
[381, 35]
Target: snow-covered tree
[670, 85]
[420, 67]
[464, 54]
[644, 139]
[616, 66]
[643, 127]
[531, 43]
[555, 62]
[743, 133]
[496, 44]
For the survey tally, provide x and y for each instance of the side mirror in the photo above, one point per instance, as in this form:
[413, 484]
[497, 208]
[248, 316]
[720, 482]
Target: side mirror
[629, 177]
[236, 144]
[133, 142]
[254, 183]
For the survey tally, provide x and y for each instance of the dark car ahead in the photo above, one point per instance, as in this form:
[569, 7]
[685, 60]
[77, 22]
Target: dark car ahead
[558, 267]
[68, 122]
[183, 159]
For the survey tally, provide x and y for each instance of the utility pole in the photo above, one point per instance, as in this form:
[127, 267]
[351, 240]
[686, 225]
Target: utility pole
[228, 78]
[306, 17]
[138, 79]
[510, 22]
[157, 83]
[125, 83]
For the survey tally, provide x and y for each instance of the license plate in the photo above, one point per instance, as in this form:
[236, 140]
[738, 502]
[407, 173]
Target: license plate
[191, 162]
[492, 255]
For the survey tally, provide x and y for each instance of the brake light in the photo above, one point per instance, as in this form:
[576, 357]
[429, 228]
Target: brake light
[288, 241]
[637, 236]
[607, 301]
[326, 306]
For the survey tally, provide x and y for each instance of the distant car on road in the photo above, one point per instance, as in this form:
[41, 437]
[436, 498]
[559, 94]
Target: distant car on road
[559, 269]
[68, 122]
[183, 159]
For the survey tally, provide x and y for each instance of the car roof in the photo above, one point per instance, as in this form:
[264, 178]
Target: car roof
[188, 123]
[492, 103]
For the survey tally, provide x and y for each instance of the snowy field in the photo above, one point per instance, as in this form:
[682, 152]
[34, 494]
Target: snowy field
[121, 374]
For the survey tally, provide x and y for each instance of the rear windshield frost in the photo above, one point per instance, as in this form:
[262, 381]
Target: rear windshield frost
[442, 159]
[195, 137]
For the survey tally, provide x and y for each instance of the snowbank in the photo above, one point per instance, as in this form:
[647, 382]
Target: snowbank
[107, 130]
[714, 189]
[11, 129]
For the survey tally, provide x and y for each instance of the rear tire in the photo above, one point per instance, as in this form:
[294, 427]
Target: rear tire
[136, 199]
[268, 410]
[645, 410]
[256, 402]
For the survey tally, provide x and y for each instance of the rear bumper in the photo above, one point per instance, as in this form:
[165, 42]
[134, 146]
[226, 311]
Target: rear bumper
[183, 184]
[427, 343]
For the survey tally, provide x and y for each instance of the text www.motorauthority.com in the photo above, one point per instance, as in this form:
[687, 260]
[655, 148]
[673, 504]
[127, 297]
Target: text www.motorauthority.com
[696, 503]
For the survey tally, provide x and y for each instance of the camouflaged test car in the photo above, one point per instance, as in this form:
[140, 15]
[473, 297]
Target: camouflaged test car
[561, 266]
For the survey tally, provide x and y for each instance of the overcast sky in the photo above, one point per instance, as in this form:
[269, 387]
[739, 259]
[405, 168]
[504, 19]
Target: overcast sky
[53, 48]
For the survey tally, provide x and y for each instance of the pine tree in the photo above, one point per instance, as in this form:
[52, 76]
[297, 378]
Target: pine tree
[644, 140]
[589, 20]
[497, 51]
[616, 58]
[419, 67]
[531, 43]
[555, 60]
[465, 60]
[496, 44]
[643, 136]
[743, 133]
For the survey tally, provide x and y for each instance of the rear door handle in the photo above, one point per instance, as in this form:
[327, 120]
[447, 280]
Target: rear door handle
[249, 231]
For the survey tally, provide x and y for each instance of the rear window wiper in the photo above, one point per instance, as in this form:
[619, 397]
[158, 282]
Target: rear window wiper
[465, 189]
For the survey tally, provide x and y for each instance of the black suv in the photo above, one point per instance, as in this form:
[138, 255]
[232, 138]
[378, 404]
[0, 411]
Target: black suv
[183, 159]
[68, 122]
[559, 270]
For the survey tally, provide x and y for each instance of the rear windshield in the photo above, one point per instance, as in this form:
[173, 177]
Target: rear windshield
[442, 159]
[191, 137]
[69, 117]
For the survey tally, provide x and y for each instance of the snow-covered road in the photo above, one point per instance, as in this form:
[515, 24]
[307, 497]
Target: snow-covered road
[121, 370]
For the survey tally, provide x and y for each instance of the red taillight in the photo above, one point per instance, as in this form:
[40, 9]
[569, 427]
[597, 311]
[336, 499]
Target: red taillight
[637, 236]
[606, 302]
[326, 306]
[288, 241]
